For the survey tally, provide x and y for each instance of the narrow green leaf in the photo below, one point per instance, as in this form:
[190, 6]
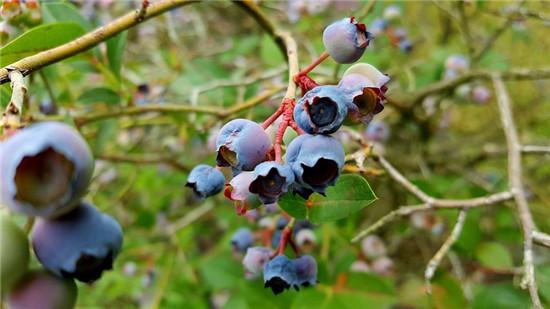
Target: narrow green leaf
[115, 51]
[32, 41]
[99, 95]
[350, 194]
[495, 255]
[64, 12]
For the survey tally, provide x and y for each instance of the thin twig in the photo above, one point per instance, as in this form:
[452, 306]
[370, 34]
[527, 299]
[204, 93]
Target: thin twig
[11, 117]
[465, 27]
[174, 108]
[440, 254]
[535, 149]
[517, 188]
[491, 40]
[89, 40]
[541, 238]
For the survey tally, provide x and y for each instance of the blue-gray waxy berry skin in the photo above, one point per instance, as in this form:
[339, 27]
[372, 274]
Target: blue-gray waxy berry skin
[279, 274]
[271, 180]
[346, 40]
[242, 240]
[46, 169]
[80, 245]
[316, 160]
[306, 270]
[321, 110]
[205, 181]
[242, 144]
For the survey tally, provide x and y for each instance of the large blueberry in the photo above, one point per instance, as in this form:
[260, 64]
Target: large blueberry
[316, 160]
[41, 289]
[321, 110]
[205, 181]
[46, 169]
[271, 179]
[242, 144]
[365, 87]
[14, 253]
[242, 240]
[346, 40]
[279, 274]
[254, 261]
[80, 245]
[306, 270]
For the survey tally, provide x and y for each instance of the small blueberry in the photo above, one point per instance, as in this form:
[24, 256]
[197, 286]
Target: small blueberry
[205, 181]
[321, 110]
[346, 40]
[271, 179]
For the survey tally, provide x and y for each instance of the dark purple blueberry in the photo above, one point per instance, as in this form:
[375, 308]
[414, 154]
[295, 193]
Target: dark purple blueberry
[321, 110]
[43, 290]
[80, 245]
[271, 180]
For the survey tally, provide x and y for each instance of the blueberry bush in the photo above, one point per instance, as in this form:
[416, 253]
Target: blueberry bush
[278, 154]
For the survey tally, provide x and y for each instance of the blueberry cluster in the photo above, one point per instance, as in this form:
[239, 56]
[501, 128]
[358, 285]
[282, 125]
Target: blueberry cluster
[46, 170]
[456, 65]
[313, 161]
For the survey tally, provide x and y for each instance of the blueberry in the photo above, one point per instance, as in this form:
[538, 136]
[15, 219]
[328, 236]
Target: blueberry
[457, 62]
[242, 240]
[378, 131]
[46, 169]
[205, 181]
[321, 110]
[306, 270]
[279, 274]
[80, 245]
[238, 187]
[14, 253]
[405, 45]
[242, 144]
[41, 289]
[346, 40]
[254, 261]
[365, 87]
[271, 179]
[316, 160]
[306, 240]
[383, 266]
[47, 107]
[481, 94]
[373, 247]
[378, 26]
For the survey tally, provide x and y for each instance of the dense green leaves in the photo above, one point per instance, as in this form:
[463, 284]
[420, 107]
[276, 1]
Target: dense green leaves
[32, 41]
[350, 194]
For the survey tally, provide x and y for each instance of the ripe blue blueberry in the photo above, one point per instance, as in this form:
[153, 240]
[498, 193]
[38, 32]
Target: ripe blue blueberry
[346, 40]
[242, 240]
[41, 289]
[271, 179]
[47, 107]
[316, 160]
[279, 274]
[378, 26]
[14, 253]
[46, 169]
[405, 45]
[321, 110]
[306, 270]
[365, 87]
[254, 261]
[80, 245]
[205, 181]
[242, 144]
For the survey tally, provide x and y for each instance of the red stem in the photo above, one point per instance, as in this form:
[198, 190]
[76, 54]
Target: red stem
[279, 140]
[296, 128]
[322, 57]
[273, 117]
[285, 237]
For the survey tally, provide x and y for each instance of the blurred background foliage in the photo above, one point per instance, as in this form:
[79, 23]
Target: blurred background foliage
[177, 250]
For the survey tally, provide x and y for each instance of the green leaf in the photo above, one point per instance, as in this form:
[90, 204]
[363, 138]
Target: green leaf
[350, 194]
[99, 95]
[64, 12]
[502, 295]
[494, 255]
[33, 41]
[270, 53]
[115, 50]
